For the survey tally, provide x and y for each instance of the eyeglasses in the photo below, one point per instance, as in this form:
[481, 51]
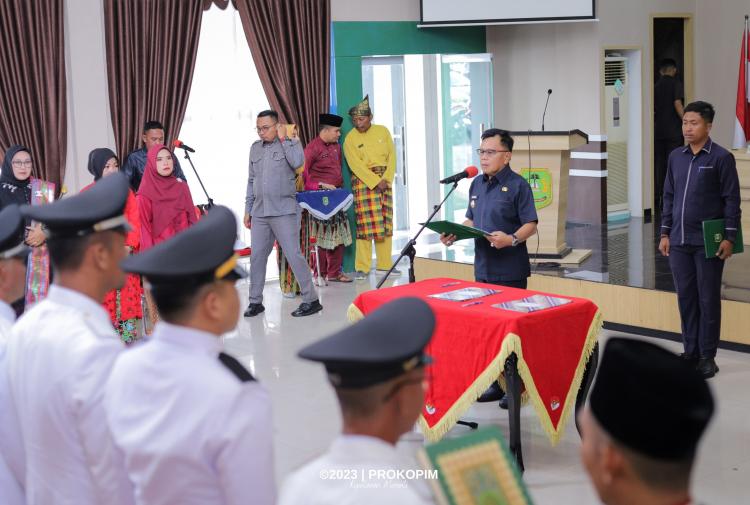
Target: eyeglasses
[489, 152]
[24, 163]
[264, 129]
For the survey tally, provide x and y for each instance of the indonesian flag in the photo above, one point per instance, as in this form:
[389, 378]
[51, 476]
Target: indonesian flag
[742, 122]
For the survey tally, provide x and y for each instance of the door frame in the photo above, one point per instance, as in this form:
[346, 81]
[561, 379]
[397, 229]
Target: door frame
[688, 79]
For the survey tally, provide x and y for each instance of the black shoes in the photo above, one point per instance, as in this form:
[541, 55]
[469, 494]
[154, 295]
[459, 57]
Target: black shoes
[493, 394]
[307, 309]
[254, 309]
[707, 367]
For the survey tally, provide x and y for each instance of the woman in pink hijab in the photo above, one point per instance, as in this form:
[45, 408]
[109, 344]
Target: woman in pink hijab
[164, 202]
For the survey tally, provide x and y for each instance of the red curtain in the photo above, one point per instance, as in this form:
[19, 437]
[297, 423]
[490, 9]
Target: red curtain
[151, 49]
[33, 107]
[290, 43]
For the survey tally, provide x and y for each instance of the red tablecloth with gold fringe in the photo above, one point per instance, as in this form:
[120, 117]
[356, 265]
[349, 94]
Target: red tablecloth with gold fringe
[471, 343]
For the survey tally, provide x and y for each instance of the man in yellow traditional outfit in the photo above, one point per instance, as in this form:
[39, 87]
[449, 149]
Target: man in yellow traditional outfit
[371, 156]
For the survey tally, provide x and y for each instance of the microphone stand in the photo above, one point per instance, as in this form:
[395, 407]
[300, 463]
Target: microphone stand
[210, 200]
[409, 249]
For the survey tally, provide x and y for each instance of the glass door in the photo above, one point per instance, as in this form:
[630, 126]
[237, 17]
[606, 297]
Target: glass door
[466, 110]
[383, 81]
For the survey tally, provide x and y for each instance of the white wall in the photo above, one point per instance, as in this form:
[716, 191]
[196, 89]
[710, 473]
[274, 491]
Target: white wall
[530, 59]
[718, 32]
[566, 57]
[89, 120]
[375, 10]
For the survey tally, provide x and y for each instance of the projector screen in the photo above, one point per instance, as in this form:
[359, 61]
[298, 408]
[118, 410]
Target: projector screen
[483, 12]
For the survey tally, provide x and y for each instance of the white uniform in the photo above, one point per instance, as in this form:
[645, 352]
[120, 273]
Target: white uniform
[11, 448]
[346, 475]
[59, 356]
[191, 430]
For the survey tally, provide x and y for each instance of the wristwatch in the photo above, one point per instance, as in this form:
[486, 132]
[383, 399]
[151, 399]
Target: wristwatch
[515, 240]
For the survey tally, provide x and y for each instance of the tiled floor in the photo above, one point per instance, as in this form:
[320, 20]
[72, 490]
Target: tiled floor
[306, 415]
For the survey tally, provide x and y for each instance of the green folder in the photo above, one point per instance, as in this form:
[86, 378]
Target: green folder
[713, 234]
[476, 468]
[460, 231]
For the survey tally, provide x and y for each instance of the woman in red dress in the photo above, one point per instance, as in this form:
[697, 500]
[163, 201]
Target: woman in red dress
[124, 305]
[164, 204]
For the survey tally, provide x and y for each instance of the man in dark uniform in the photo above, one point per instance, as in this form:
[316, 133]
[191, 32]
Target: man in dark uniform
[701, 184]
[668, 110]
[218, 417]
[501, 203]
[135, 163]
[643, 454]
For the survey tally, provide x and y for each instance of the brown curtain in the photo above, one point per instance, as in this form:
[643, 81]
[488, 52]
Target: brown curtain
[151, 50]
[32, 83]
[290, 43]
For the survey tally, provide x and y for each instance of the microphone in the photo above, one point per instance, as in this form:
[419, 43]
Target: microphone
[549, 92]
[182, 145]
[467, 172]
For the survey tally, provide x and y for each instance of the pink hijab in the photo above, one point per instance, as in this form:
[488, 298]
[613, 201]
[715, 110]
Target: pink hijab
[169, 196]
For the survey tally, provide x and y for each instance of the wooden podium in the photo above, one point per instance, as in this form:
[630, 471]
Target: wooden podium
[543, 158]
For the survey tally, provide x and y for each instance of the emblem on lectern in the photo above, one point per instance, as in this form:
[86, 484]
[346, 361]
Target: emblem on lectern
[540, 180]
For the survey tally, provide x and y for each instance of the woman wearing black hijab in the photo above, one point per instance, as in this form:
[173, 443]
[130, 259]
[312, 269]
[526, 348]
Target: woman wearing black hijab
[124, 304]
[15, 187]
[18, 186]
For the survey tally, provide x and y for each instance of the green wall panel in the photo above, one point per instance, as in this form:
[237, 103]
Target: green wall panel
[403, 37]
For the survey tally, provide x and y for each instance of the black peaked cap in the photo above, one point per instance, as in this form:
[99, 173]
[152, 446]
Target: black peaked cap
[86, 212]
[204, 249]
[385, 344]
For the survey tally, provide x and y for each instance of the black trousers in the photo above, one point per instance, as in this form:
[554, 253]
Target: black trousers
[698, 283]
[662, 148]
[521, 284]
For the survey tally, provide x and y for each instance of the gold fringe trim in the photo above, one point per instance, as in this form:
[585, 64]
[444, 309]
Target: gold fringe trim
[353, 314]
[466, 400]
[511, 344]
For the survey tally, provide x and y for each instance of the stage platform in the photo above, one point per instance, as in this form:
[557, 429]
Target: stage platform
[625, 275]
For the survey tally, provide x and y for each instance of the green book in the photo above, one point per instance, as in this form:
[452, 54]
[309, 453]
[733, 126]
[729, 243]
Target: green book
[713, 234]
[459, 230]
[475, 469]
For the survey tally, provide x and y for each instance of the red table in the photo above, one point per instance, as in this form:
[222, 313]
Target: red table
[472, 345]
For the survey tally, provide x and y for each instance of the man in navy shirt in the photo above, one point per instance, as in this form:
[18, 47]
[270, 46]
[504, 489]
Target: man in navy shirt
[153, 133]
[701, 184]
[501, 203]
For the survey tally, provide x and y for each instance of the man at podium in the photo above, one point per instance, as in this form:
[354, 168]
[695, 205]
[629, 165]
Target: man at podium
[500, 202]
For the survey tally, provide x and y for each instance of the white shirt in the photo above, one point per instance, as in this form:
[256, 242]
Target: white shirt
[347, 475]
[59, 356]
[192, 431]
[11, 448]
